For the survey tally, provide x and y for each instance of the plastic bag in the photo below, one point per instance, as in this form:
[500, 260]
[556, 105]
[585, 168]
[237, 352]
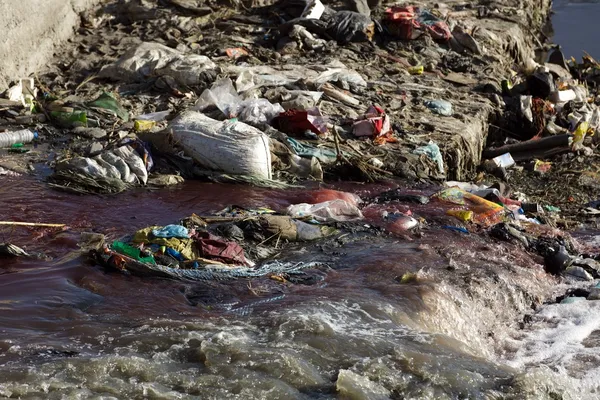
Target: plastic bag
[221, 94]
[441, 107]
[329, 211]
[134, 161]
[121, 166]
[86, 165]
[170, 231]
[432, 150]
[350, 26]
[484, 212]
[324, 155]
[224, 95]
[111, 170]
[258, 111]
[252, 77]
[541, 83]
[228, 146]
[154, 59]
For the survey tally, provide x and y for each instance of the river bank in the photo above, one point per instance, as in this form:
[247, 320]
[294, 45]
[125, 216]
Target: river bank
[466, 326]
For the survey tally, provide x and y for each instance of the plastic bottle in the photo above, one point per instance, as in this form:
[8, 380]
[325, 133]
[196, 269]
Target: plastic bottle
[7, 139]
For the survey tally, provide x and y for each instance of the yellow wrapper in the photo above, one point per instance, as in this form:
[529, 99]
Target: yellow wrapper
[463, 215]
[142, 125]
[418, 70]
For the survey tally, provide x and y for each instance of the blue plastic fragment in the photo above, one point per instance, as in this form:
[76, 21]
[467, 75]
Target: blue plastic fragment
[456, 229]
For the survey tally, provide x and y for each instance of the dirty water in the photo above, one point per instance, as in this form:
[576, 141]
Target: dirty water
[574, 24]
[69, 329]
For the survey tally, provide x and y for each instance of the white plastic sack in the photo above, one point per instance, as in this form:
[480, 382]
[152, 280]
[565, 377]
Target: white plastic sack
[328, 211]
[111, 170]
[342, 75]
[250, 77]
[87, 166]
[252, 111]
[121, 166]
[228, 146]
[134, 162]
[154, 59]
[123, 163]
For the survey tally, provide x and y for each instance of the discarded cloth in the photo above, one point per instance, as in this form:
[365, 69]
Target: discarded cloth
[323, 154]
[214, 248]
[183, 246]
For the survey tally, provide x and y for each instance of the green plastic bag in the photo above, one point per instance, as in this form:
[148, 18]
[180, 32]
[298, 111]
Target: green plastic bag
[130, 251]
[107, 101]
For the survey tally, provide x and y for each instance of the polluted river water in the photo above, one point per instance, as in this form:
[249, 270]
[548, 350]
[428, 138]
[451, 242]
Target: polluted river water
[573, 24]
[71, 329]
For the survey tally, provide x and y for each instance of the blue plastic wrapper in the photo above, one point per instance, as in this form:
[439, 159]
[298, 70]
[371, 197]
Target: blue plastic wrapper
[172, 231]
[441, 107]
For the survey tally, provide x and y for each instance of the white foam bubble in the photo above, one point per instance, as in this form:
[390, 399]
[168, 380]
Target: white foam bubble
[565, 338]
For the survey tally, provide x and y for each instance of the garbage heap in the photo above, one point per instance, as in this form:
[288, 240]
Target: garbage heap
[544, 143]
[233, 243]
[274, 94]
[282, 245]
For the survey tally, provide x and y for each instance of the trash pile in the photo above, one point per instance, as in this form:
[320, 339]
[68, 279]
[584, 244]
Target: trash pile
[548, 110]
[545, 142]
[289, 97]
[492, 211]
[248, 243]
[233, 243]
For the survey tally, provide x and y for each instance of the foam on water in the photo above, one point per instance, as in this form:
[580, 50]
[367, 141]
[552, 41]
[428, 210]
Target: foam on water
[564, 339]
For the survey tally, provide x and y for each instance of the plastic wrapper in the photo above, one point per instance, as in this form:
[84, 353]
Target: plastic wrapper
[329, 211]
[441, 107]
[484, 212]
[224, 95]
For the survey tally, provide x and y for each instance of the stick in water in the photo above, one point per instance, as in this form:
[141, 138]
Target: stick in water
[31, 224]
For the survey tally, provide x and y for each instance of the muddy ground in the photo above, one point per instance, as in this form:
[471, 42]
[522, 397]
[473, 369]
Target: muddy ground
[470, 81]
